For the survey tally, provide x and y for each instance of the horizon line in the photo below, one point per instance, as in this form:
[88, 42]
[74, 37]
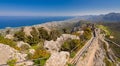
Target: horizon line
[38, 14]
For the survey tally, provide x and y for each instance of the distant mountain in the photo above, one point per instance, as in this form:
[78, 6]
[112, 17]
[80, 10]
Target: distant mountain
[111, 17]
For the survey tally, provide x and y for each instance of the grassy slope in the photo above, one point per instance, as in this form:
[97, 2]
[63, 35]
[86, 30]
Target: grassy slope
[115, 31]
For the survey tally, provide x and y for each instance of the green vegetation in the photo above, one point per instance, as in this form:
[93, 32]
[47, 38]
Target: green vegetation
[40, 52]
[105, 47]
[74, 45]
[87, 34]
[118, 59]
[37, 36]
[24, 48]
[66, 30]
[8, 31]
[40, 62]
[34, 39]
[9, 42]
[107, 62]
[41, 55]
[71, 44]
[12, 62]
[54, 34]
[43, 34]
[115, 49]
[114, 28]
[105, 29]
[115, 31]
[72, 54]
[19, 36]
[76, 33]
[70, 64]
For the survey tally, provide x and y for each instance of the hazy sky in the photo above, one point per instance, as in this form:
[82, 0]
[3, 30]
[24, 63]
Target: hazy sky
[57, 7]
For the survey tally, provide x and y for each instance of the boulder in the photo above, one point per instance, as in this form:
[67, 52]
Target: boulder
[9, 36]
[8, 53]
[58, 59]
[20, 43]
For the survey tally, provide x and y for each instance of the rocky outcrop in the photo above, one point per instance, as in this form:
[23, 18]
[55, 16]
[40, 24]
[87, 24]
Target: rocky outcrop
[58, 59]
[8, 53]
[54, 46]
[27, 31]
[20, 43]
[9, 36]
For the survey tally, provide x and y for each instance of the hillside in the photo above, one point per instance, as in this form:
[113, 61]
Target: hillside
[80, 43]
[114, 28]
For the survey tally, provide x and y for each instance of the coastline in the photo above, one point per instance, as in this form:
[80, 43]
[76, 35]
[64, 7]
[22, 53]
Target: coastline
[44, 24]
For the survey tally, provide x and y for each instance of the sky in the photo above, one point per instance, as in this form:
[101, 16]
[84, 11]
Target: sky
[57, 7]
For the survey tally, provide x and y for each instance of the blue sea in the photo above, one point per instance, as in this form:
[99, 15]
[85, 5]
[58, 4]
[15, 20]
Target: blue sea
[17, 21]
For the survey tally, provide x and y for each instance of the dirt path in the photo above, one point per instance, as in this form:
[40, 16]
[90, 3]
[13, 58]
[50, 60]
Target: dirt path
[93, 43]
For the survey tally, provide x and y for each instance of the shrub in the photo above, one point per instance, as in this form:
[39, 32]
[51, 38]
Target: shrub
[40, 62]
[12, 62]
[32, 40]
[66, 46]
[72, 54]
[40, 53]
[70, 64]
[54, 34]
[24, 47]
[8, 31]
[71, 44]
[34, 32]
[43, 34]
[9, 42]
[75, 33]
[87, 33]
[104, 29]
[19, 36]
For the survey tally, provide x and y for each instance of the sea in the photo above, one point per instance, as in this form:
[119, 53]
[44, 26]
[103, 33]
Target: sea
[18, 21]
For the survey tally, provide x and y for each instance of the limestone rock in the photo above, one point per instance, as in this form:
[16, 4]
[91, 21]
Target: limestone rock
[20, 43]
[7, 53]
[54, 46]
[58, 59]
[27, 31]
[31, 51]
[9, 36]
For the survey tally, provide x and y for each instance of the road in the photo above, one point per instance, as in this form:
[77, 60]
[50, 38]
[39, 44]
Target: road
[75, 60]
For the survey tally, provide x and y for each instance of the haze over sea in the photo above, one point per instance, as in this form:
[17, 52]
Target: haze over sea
[17, 21]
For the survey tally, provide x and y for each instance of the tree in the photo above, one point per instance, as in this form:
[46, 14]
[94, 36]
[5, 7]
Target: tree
[70, 44]
[19, 36]
[54, 34]
[32, 40]
[43, 34]
[8, 31]
[87, 33]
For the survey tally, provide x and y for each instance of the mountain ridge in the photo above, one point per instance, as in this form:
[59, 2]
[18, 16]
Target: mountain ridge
[110, 17]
